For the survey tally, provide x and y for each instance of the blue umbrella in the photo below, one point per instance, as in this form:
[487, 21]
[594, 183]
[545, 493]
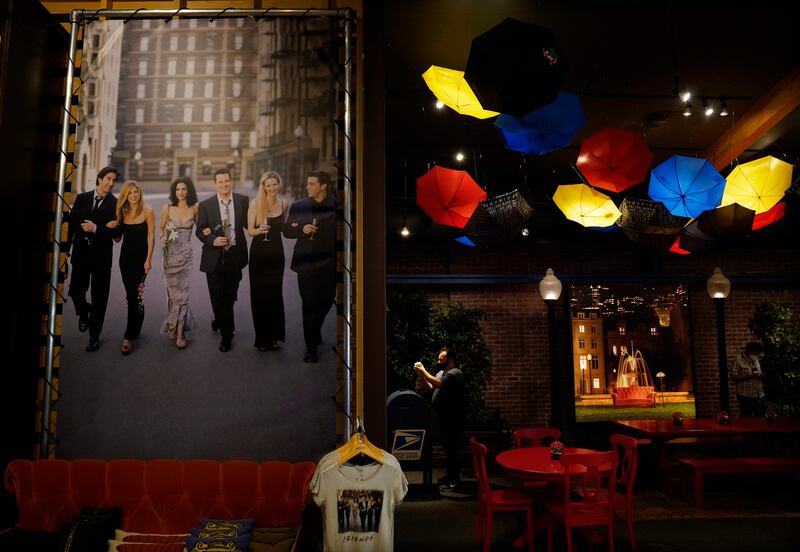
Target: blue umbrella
[686, 186]
[548, 128]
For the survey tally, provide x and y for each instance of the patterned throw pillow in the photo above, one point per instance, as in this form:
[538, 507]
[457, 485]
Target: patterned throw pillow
[213, 524]
[238, 544]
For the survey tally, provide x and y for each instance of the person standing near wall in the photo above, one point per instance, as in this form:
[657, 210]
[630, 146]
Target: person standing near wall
[749, 379]
[448, 404]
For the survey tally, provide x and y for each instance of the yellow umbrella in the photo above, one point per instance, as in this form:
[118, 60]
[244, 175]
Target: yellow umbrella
[585, 205]
[449, 86]
[758, 185]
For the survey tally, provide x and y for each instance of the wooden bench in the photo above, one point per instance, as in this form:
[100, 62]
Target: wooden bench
[703, 466]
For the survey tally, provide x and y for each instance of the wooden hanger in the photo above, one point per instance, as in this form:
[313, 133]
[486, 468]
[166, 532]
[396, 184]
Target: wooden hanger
[359, 444]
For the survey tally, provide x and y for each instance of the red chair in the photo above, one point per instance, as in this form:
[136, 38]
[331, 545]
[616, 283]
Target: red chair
[627, 460]
[535, 437]
[588, 495]
[490, 501]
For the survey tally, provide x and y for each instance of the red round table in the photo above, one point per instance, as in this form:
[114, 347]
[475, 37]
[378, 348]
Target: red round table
[535, 462]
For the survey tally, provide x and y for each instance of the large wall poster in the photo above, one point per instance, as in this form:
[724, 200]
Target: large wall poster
[185, 98]
[631, 351]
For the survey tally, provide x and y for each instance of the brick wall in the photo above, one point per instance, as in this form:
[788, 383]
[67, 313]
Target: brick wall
[516, 318]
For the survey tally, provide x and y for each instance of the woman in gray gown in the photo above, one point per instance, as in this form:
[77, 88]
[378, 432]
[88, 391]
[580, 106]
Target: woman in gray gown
[177, 220]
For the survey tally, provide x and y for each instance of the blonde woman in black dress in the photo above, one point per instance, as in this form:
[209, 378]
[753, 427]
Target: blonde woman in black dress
[265, 219]
[135, 223]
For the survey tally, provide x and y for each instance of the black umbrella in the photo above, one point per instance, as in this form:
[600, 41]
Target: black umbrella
[515, 67]
[715, 226]
[648, 222]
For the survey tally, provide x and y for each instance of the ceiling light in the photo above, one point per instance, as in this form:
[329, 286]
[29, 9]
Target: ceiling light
[685, 96]
[404, 231]
[708, 109]
[439, 104]
[525, 232]
[687, 109]
[723, 108]
[459, 156]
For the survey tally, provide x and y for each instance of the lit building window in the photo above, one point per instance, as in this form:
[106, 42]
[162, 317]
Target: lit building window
[205, 139]
[581, 316]
[143, 67]
[170, 90]
[653, 331]
[172, 67]
[186, 140]
[191, 42]
[145, 24]
[208, 89]
[581, 343]
[140, 90]
[237, 66]
[582, 362]
[173, 42]
[137, 140]
[168, 140]
[162, 168]
[188, 90]
[187, 114]
[236, 89]
[235, 139]
[581, 328]
[210, 66]
[238, 41]
[236, 114]
[621, 329]
[144, 42]
[614, 350]
[190, 67]
[139, 115]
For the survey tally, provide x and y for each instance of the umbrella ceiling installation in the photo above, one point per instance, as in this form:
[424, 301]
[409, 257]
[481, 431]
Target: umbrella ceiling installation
[614, 159]
[648, 222]
[716, 226]
[549, 128]
[515, 67]
[448, 196]
[586, 206]
[450, 88]
[687, 186]
[759, 184]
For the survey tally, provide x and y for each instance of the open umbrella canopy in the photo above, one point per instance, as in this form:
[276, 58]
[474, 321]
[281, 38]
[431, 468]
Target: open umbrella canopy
[773, 215]
[759, 184]
[648, 222]
[450, 88]
[677, 249]
[687, 186]
[548, 128]
[586, 206]
[515, 67]
[614, 159]
[448, 196]
[715, 226]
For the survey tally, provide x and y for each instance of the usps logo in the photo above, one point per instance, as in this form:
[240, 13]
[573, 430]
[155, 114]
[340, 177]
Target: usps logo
[407, 444]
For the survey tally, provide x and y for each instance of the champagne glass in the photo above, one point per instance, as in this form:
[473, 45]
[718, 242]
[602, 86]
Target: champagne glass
[314, 233]
[266, 231]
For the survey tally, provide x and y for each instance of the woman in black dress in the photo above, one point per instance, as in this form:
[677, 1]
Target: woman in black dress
[136, 225]
[265, 220]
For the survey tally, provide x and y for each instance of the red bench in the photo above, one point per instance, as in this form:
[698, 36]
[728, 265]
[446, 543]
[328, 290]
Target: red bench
[703, 466]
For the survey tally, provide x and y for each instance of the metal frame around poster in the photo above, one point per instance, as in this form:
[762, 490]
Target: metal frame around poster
[78, 18]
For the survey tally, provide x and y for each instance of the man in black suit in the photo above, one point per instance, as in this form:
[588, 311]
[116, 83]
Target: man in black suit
[92, 250]
[312, 222]
[221, 221]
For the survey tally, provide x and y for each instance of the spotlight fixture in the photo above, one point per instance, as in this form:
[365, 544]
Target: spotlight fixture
[708, 109]
[685, 96]
[459, 156]
[439, 104]
[525, 232]
[687, 109]
[404, 231]
[723, 108]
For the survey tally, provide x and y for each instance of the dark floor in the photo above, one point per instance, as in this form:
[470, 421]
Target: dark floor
[740, 514]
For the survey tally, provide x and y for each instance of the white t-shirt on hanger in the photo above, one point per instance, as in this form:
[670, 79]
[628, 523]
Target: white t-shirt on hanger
[358, 504]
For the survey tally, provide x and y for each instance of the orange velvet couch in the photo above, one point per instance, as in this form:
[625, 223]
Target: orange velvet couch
[159, 496]
[643, 395]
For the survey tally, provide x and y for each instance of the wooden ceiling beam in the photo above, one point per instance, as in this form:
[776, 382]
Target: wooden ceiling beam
[767, 112]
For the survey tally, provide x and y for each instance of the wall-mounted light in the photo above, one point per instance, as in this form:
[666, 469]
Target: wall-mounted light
[708, 108]
[723, 108]
[687, 109]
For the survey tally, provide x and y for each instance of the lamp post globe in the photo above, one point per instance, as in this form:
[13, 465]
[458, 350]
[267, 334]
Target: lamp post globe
[718, 286]
[550, 286]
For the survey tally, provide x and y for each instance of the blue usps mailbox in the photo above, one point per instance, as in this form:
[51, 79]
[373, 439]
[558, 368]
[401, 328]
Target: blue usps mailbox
[409, 431]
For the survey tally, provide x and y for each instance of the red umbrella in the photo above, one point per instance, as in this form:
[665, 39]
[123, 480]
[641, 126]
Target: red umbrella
[614, 159]
[676, 247]
[448, 196]
[773, 215]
